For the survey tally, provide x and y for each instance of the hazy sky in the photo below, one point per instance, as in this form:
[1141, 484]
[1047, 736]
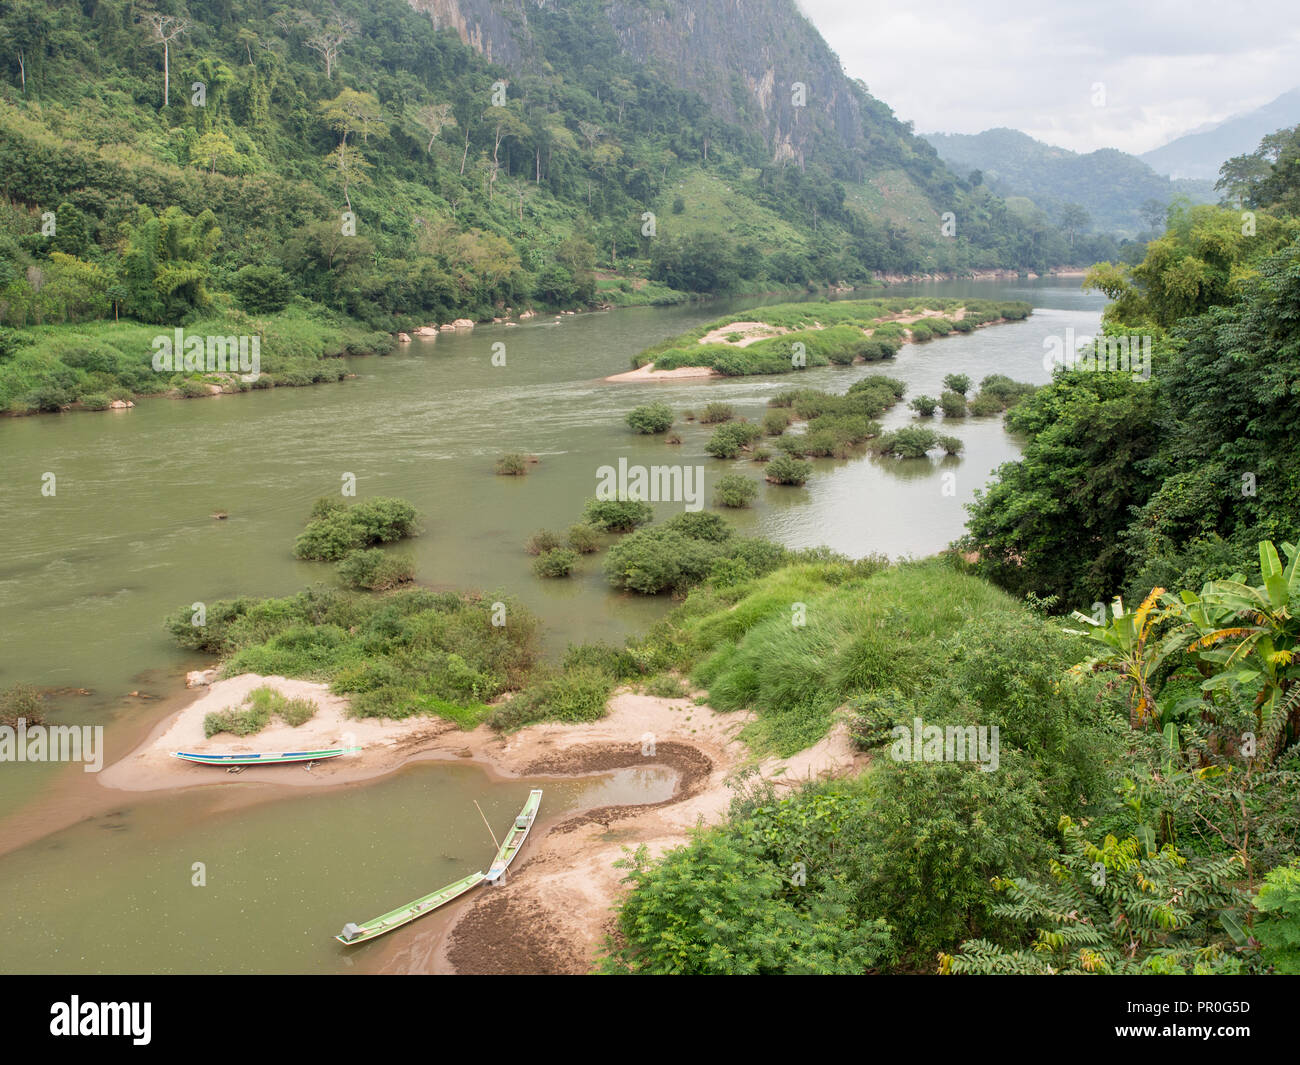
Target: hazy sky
[961, 66]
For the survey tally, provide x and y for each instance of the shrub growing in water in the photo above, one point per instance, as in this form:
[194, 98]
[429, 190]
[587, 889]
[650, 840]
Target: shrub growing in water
[717, 412]
[512, 464]
[616, 515]
[729, 440]
[584, 538]
[953, 404]
[337, 529]
[910, 442]
[541, 541]
[950, 444]
[558, 562]
[652, 418]
[735, 490]
[375, 570]
[785, 469]
[925, 406]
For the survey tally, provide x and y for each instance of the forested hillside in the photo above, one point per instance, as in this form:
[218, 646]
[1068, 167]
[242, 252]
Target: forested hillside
[1117, 192]
[480, 175]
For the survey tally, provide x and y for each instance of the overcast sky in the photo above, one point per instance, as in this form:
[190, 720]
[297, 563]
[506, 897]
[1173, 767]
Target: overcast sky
[962, 66]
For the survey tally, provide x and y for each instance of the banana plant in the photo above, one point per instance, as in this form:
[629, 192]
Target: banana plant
[1128, 645]
[1245, 638]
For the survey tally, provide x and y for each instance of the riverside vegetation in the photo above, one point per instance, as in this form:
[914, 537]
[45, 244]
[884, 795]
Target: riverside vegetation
[840, 332]
[254, 179]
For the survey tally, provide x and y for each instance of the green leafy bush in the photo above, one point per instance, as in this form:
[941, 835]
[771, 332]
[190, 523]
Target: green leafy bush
[558, 562]
[584, 538]
[542, 541]
[953, 404]
[512, 464]
[925, 406]
[375, 570]
[717, 412]
[785, 469]
[735, 490]
[616, 515]
[653, 418]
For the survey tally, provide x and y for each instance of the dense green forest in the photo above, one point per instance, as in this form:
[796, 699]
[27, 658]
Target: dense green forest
[1143, 814]
[320, 175]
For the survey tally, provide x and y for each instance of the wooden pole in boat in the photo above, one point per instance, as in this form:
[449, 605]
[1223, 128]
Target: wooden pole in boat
[487, 826]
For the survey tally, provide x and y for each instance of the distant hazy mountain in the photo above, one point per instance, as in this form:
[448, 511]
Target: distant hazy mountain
[1110, 185]
[1199, 154]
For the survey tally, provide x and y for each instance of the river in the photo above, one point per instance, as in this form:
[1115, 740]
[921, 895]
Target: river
[87, 575]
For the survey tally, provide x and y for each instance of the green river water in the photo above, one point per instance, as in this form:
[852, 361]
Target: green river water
[87, 575]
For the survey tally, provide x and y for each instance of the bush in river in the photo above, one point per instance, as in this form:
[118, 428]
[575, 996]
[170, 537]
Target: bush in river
[584, 538]
[541, 541]
[735, 490]
[717, 412]
[785, 469]
[337, 529]
[375, 570]
[925, 406]
[616, 515]
[652, 418]
[950, 444]
[21, 701]
[910, 442]
[729, 440]
[512, 464]
[558, 562]
[953, 404]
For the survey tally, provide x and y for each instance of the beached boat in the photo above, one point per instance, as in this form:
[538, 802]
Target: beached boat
[264, 759]
[353, 933]
[515, 837]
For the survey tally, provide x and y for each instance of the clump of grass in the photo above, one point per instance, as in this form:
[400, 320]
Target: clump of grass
[584, 538]
[375, 570]
[541, 541]
[715, 413]
[666, 686]
[735, 490]
[512, 464]
[785, 469]
[256, 711]
[558, 562]
[21, 701]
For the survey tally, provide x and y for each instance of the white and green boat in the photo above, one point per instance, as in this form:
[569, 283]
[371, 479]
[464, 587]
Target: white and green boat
[353, 934]
[515, 837]
[264, 759]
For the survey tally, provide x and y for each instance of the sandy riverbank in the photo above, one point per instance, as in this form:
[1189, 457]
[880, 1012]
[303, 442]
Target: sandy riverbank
[385, 745]
[554, 912]
[649, 373]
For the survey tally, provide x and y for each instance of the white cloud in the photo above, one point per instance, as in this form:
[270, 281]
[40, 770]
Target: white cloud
[1168, 66]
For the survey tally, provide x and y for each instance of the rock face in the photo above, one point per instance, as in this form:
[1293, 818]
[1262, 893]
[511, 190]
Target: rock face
[768, 47]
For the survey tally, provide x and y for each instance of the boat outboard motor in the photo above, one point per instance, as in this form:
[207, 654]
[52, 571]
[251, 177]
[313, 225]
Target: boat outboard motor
[349, 930]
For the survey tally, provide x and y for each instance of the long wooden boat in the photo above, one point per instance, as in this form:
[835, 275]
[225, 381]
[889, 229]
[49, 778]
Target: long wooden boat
[353, 934]
[264, 759]
[515, 837]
